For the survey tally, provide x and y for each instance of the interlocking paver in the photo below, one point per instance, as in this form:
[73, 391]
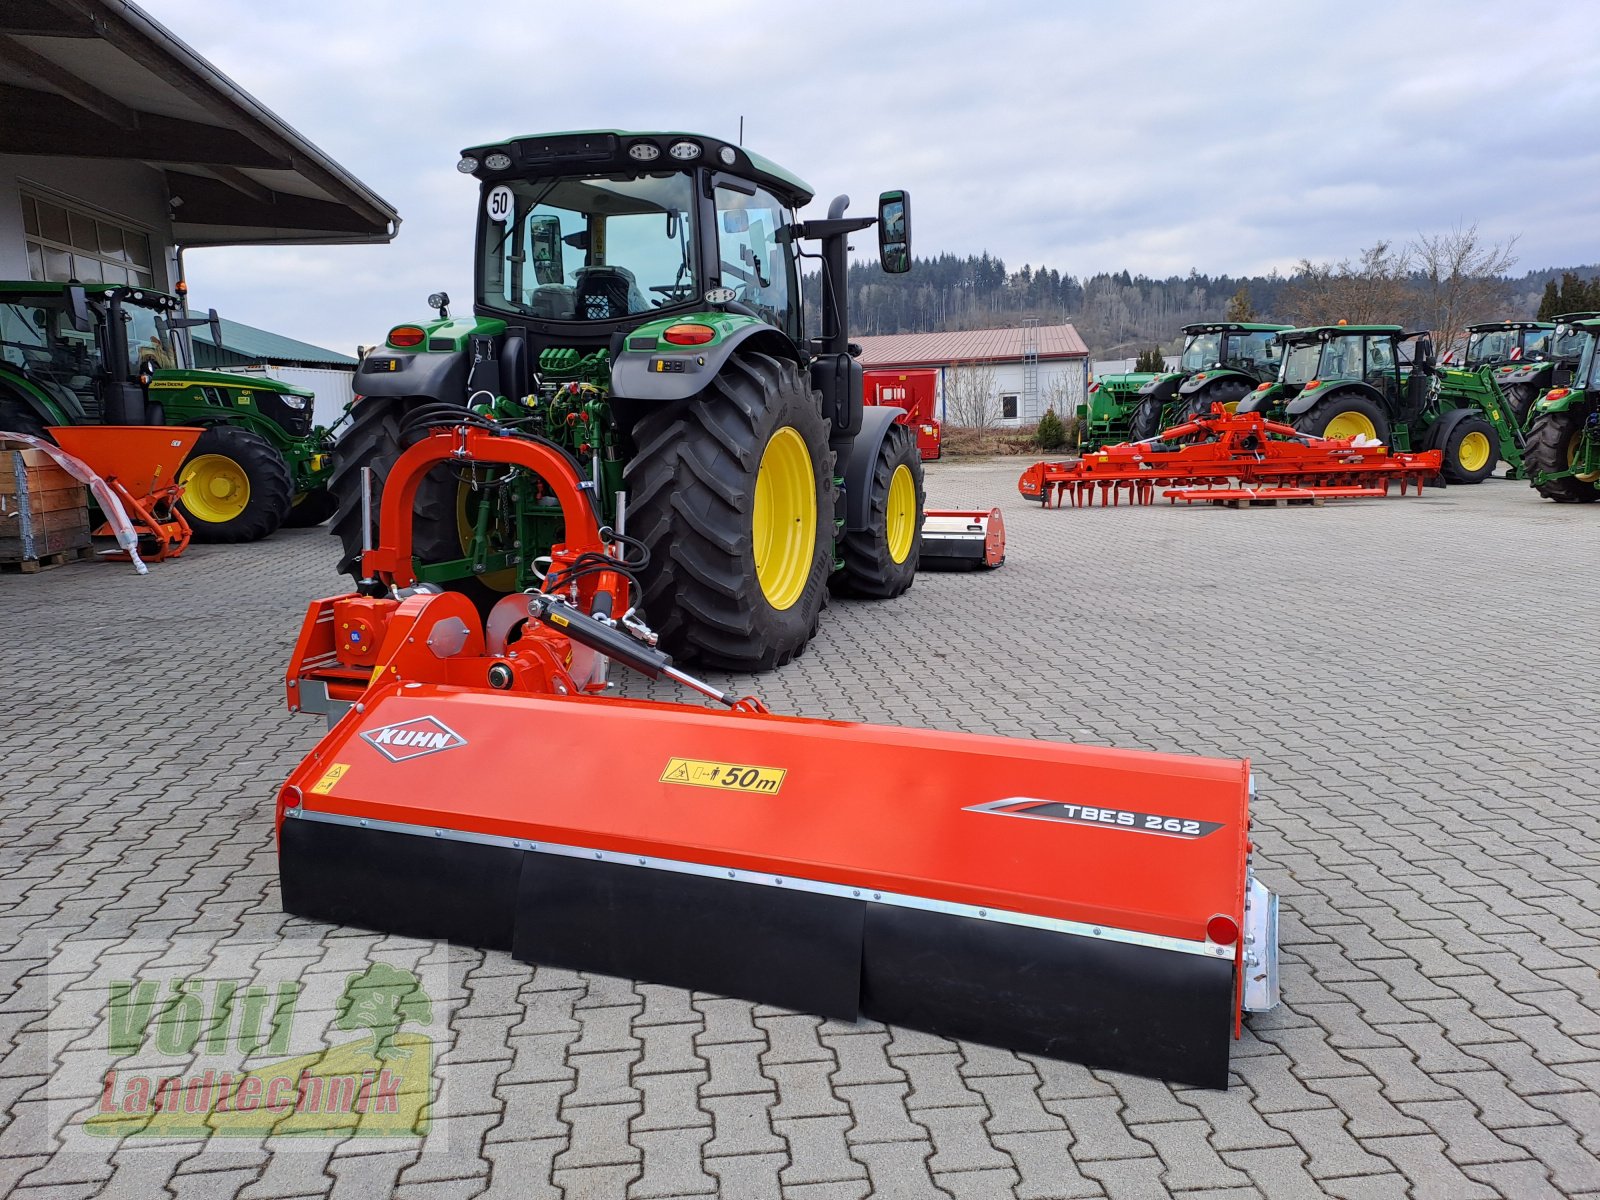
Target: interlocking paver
[1441, 1019]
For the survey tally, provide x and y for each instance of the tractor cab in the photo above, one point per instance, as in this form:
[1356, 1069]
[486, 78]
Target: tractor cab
[1221, 363]
[1494, 342]
[1380, 358]
[1252, 349]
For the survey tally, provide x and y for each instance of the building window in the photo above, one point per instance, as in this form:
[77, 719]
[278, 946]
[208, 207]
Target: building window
[70, 244]
[1008, 408]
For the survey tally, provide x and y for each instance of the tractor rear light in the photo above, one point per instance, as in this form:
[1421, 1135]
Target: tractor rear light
[1558, 393]
[1199, 377]
[688, 335]
[406, 335]
[1313, 385]
[1223, 930]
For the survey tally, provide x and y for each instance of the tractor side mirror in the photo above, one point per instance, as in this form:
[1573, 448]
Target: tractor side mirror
[78, 308]
[894, 232]
[215, 322]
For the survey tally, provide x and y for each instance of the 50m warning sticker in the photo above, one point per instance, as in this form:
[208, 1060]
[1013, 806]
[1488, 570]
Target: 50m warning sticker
[724, 777]
[1091, 814]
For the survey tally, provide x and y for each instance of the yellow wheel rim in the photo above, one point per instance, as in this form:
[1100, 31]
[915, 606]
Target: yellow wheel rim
[467, 501]
[215, 488]
[1349, 424]
[1473, 452]
[902, 514]
[783, 520]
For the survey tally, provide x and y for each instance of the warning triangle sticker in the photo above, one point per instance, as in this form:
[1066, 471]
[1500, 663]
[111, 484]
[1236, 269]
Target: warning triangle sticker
[681, 774]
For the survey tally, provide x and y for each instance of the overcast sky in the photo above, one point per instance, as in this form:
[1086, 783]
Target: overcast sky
[1088, 136]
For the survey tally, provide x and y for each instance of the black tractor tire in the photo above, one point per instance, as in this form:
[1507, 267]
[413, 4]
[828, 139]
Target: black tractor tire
[375, 439]
[1146, 419]
[17, 416]
[1549, 448]
[1316, 419]
[312, 508]
[258, 463]
[1459, 437]
[1226, 391]
[691, 501]
[870, 568]
[1519, 399]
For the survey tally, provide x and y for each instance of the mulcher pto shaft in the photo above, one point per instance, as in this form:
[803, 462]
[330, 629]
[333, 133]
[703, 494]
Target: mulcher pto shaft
[478, 784]
[1228, 446]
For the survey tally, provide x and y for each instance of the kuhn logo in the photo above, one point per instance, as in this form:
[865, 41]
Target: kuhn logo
[413, 738]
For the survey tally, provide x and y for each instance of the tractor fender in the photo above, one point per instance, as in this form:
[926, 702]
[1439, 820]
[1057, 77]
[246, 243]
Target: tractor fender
[1524, 374]
[1261, 400]
[683, 371]
[875, 422]
[442, 376]
[1304, 401]
[1549, 403]
[1164, 386]
[1195, 383]
[51, 403]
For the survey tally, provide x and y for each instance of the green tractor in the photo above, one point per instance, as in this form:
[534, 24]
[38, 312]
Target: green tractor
[1105, 418]
[637, 304]
[1222, 363]
[73, 354]
[1525, 357]
[1562, 458]
[1380, 382]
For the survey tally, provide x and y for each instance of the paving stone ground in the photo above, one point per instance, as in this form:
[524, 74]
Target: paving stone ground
[1415, 682]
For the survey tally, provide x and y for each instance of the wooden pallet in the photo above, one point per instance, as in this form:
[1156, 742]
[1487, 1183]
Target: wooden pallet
[1270, 497]
[31, 566]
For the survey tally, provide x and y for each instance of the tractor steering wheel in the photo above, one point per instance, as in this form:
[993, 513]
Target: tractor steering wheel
[673, 293]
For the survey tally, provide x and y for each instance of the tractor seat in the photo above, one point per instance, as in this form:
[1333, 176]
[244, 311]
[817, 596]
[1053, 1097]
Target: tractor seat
[606, 293]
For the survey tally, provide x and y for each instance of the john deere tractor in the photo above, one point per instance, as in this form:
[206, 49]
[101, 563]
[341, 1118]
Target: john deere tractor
[637, 303]
[1525, 357]
[1378, 381]
[1222, 363]
[72, 354]
[1106, 417]
[1562, 458]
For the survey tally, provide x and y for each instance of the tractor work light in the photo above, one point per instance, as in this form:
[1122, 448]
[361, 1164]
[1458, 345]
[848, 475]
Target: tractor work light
[644, 152]
[688, 335]
[498, 161]
[728, 155]
[467, 165]
[406, 335]
[684, 151]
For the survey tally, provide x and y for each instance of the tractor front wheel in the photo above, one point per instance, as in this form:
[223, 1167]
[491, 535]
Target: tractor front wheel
[236, 486]
[1554, 441]
[1471, 450]
[881, 561]
[732, 492]
[1345, 416]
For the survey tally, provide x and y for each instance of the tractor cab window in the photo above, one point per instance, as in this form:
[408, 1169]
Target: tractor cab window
[754, 262]
[1341, 358]
[1381, 369]
[1300, 362]
[150, 341]
[37, 336]
[591, 248]
[1202, 350]
[1253, 352]
[1568, 345]
[1490, 346]
[1536, 343]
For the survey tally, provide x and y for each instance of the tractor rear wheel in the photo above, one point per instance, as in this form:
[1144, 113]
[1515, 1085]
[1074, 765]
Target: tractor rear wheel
[312, 508]
[1519, 399]
[1344, 416]
[1553, 441]
[1146, 419]
[373, 440]
[732, 492]
[17, 417]
[881, 561]
[236, 486]
[1471, 450]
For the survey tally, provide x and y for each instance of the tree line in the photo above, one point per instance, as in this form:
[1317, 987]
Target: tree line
[1440, 282]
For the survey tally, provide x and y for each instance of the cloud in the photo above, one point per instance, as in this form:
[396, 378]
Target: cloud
[1150, 136]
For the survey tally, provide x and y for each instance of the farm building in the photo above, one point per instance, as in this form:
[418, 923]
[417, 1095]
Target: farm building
[992, 376]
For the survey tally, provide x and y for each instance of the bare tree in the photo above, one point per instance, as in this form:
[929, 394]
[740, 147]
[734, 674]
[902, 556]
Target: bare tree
[969, 399]
[1374, 290]
[1459, 281]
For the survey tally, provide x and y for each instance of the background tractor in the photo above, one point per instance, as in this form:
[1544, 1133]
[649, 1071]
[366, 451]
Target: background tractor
[1222, 363]
[1526, 357]
[1106, 417]
[1380, 382]
[113, 354]
[637, 304]
[1562, 456]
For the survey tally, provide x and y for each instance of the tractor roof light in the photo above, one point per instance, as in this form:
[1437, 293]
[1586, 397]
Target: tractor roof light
[467, 164]
[688, 334]
[644, 152]
[406, 335]
[728, 155]
[684, 151]
[498, 161]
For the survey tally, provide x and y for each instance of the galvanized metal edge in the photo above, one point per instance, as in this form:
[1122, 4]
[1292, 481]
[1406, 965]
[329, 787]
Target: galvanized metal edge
[1107, 933]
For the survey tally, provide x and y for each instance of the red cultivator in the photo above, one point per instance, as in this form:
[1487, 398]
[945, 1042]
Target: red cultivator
[478, 784]
[1242, 447]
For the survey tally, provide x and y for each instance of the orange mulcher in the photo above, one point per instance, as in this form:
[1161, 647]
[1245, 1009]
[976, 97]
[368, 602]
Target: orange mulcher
[477, 784]
[140, 464]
